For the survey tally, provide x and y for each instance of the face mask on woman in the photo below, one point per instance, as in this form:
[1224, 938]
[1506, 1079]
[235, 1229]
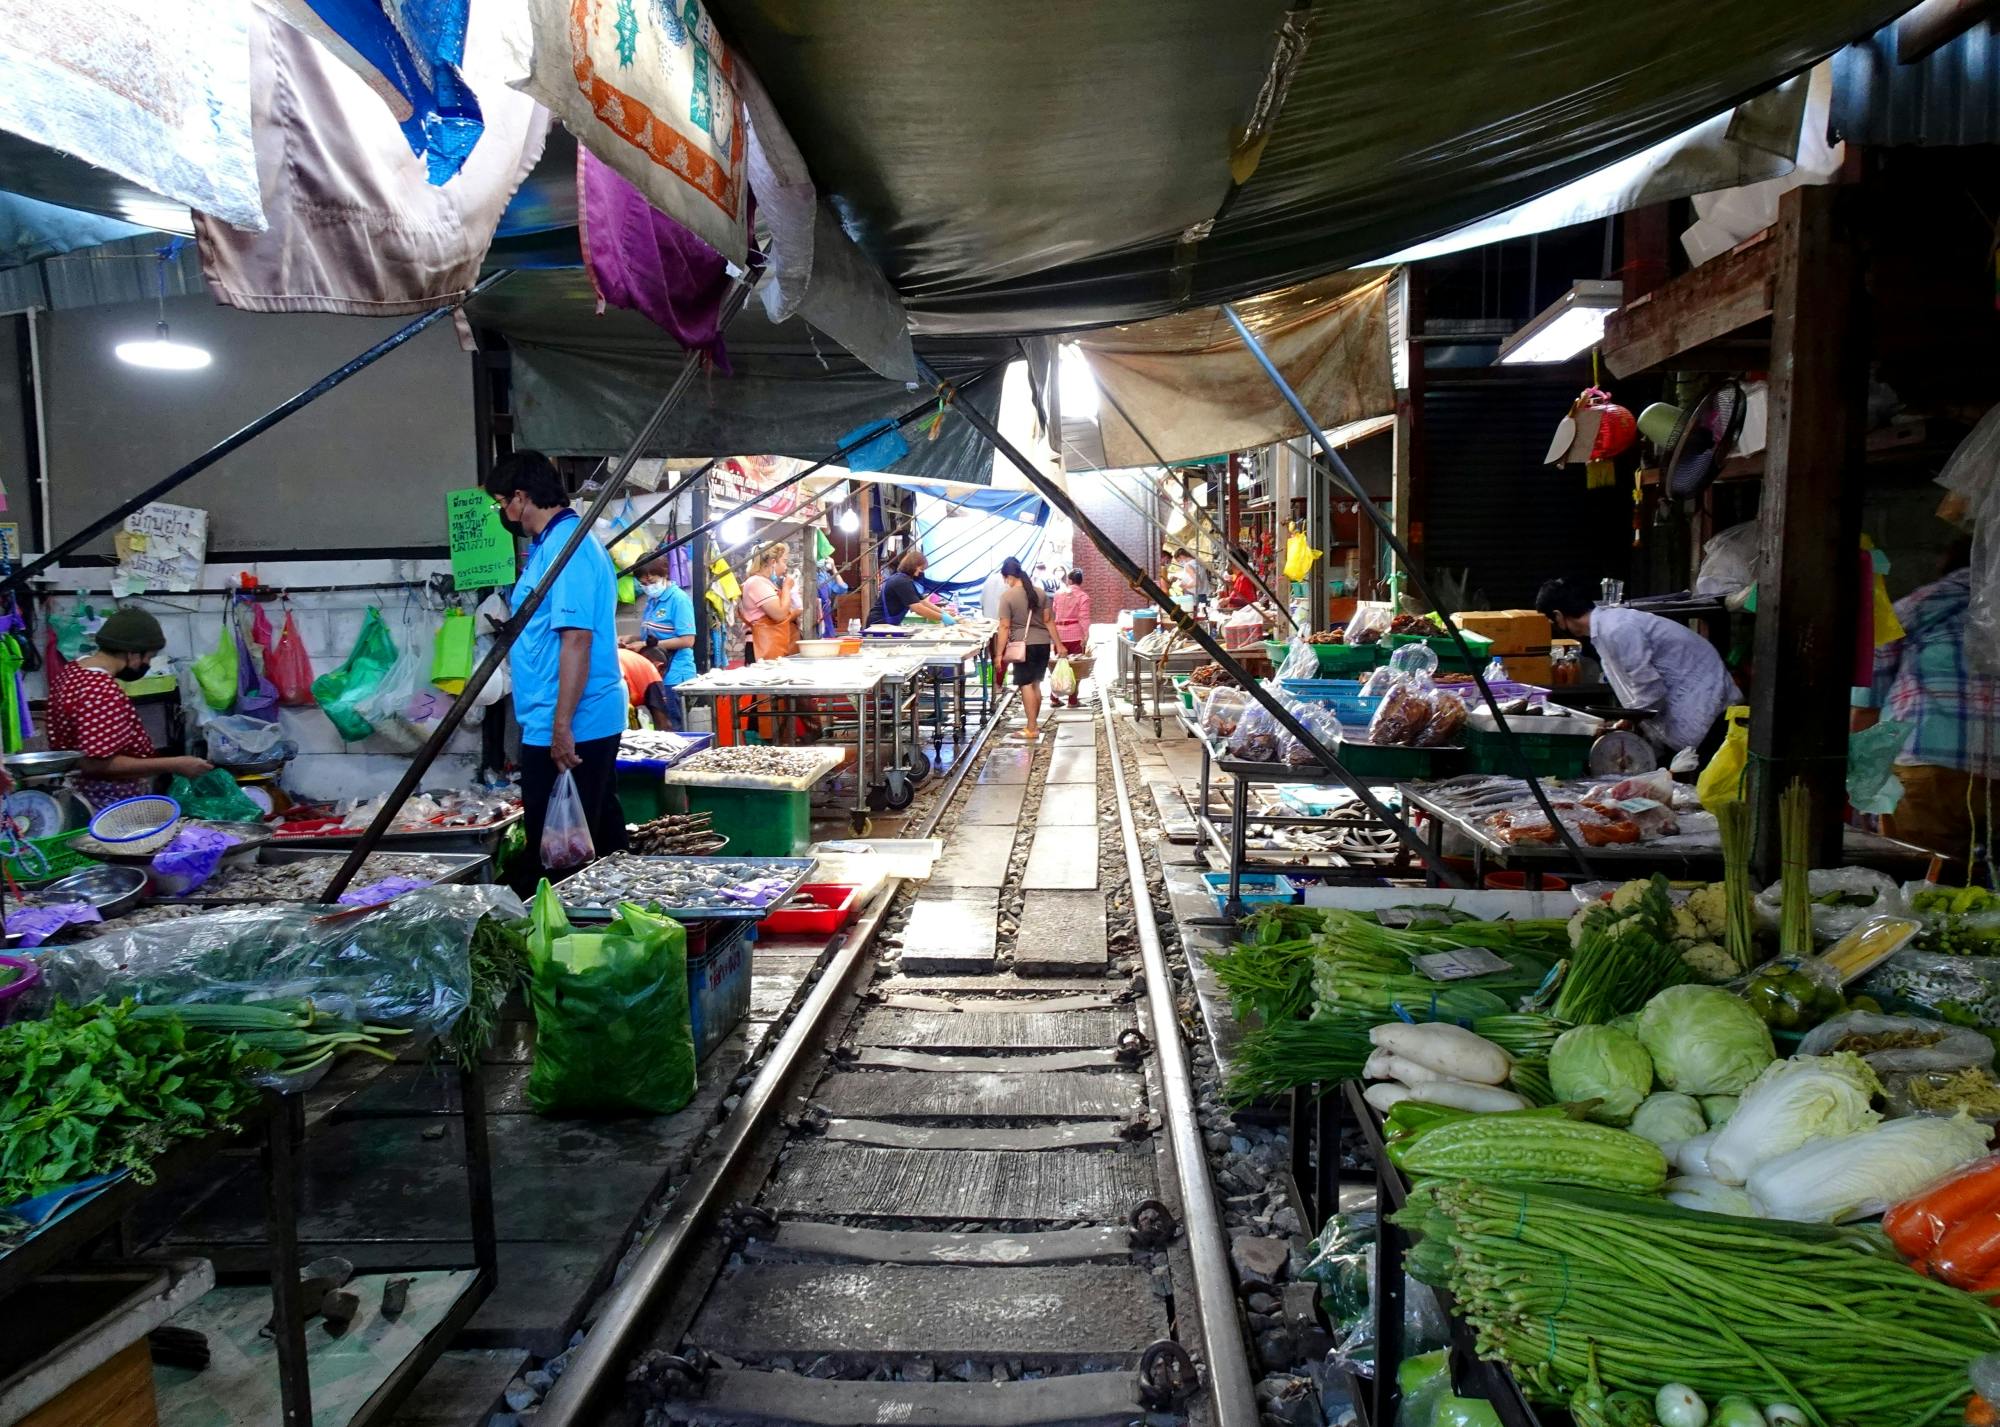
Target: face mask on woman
[649, 588]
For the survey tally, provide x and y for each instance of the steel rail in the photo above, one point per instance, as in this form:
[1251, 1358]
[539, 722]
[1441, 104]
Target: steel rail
[596, 1365]
[1231, 1385]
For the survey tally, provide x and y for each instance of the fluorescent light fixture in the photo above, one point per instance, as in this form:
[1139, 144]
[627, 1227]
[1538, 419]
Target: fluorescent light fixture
[735, 531]
[849, 521]
[1571, 324]
[163, 354]
[1076, 388]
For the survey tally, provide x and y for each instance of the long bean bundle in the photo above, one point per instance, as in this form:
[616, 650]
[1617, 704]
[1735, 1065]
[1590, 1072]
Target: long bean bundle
[1828, 1318]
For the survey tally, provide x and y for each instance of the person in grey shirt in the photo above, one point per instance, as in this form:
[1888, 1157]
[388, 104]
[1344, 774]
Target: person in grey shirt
[1026, 639]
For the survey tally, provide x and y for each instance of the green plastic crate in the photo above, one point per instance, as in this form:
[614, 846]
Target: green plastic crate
[758, 822]
[1336, 660]
[1551, 755]
[1397, 764]
[61, 857]
[1444, 644]
[642, 796]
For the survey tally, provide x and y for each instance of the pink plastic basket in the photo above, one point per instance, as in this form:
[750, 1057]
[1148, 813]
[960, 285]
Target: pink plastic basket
[13, 994]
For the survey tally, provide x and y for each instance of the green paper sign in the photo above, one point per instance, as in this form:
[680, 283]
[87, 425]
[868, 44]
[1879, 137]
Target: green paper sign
[482, 552]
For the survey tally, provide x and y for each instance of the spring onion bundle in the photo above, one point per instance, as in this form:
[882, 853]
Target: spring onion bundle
[289, 1037]
[1733, 820]
[1794, 891]
[1621, 959]
[1828, 1318]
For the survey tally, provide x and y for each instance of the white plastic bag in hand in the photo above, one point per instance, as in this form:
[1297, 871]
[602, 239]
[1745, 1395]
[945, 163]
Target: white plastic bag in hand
[566, 832]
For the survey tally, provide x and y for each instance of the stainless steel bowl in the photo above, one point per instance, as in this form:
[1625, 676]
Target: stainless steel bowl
[114, 891]
[50, 764]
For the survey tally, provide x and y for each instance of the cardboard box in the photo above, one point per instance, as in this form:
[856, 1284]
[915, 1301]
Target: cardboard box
[1513, 631]
[1527, 668]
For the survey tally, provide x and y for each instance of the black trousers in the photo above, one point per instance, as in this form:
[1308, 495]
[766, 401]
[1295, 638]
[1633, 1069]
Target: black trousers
[596, 784]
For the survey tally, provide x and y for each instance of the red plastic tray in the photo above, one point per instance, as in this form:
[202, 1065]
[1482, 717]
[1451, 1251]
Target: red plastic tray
[836, 909]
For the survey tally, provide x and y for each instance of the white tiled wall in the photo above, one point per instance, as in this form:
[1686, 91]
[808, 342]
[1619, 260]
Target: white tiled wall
[329, 622]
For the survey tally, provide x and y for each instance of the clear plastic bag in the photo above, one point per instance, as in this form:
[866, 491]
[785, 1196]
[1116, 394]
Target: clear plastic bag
[566, 832]
[237, 739]
[1300, 662]
[1446, 723]
[1369, 622]
[1728, 562]
[1222, 712]
[1406, 707]
[1415, 661]
[1970, 476]
[386, 708]
[1962, 990]
[405, 964]
[1831, 922]
[1955, 1047]
[190, 859]
[1320, 722]
[1379, 682]
[1256, 736]
[1792, 993]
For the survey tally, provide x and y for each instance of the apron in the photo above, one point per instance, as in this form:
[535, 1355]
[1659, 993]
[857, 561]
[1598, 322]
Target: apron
[774, 639]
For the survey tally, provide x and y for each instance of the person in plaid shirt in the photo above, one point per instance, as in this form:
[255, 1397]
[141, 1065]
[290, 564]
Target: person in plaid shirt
[1948, 766]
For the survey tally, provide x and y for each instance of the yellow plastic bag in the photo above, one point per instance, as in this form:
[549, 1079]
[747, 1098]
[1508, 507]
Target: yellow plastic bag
[1299, 556]
[1722, 780]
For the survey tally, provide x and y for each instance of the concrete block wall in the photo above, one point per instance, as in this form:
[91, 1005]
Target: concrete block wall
[329, 622]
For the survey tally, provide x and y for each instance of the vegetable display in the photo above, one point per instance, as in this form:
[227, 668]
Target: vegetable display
[1792, 1103]
[97, 1088]
[1622, 956]
[1538, 1148]
[286, 1038]
[1704, 1041]
[1555, 1280]
[1602, 1064]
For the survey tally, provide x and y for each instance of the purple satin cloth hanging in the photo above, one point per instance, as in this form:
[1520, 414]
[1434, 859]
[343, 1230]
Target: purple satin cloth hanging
[639, 258]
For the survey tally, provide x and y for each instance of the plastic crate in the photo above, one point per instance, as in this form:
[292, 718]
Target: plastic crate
[719, 986]
[1385, 760]
[835, 909]
[1343, 696]
[1338, 659]
[1479, 644]
[55, 849]
[1256, 889]
[759, 822]
[642, 795]
[1551, 755]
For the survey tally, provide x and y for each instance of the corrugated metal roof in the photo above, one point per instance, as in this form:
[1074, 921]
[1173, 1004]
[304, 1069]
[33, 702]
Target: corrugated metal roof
[1949, 98]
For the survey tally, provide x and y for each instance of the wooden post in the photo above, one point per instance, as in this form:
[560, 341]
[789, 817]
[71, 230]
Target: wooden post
[1809, 524]
[864, 506]
[1407, 457]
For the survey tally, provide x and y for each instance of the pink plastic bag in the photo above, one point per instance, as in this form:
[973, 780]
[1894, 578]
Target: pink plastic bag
[566, 832]
[290, 667]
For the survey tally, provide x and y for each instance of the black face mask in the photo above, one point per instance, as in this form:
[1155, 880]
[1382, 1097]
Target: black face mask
[131, 674]
[514, 528]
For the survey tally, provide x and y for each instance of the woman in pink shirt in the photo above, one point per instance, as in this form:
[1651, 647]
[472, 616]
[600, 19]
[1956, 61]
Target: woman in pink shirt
[1070, 612]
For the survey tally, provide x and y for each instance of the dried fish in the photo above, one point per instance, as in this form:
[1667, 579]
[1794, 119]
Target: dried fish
[304, 879]
[657, 747]
[757, 759]
[684, 883]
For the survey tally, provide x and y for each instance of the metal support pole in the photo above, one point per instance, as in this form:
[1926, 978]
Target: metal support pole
[244, 435]
[1189, 628]
[1383, 524]
[511, 630]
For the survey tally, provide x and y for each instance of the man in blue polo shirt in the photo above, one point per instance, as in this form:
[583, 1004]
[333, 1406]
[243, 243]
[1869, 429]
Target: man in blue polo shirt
[569, 696]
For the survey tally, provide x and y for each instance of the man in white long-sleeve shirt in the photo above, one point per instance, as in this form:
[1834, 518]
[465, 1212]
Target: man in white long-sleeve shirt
[1652, 663]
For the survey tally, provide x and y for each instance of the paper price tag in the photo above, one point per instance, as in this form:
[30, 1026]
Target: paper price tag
[1457, 965]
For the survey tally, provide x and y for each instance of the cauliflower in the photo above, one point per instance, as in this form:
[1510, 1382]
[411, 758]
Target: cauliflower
[1576, 925]
[1709, 961]
[1711, 905]
[1626, 898]
[1688, 927]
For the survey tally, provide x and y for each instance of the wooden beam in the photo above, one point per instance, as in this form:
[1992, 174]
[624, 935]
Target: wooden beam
[1933, 24]
[1699, 306]
[1809, 522]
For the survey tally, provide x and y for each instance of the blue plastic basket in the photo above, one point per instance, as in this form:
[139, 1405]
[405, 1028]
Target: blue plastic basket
[1343, 696]
[1258, 889]
[719, 985]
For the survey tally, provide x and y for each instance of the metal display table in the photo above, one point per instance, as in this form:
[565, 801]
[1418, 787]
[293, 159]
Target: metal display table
[480, 839]
[1178, 658]
[1683, 856]
[277, 1130]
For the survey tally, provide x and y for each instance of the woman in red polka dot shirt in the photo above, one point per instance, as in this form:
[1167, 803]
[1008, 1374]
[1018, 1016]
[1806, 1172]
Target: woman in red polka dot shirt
[88, 712]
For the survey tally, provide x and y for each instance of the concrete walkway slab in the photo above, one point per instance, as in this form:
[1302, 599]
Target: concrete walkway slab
[1062, 933]
[1008, 763]
[1001, 1031]
[805, 1241]
[1080, 1317]
[1090, 1186]
[994, 804]
[889, 1058]
[1062, 859]
[915, 1094]
[1077, 1134]
[757, 1399]
[1068, 805]
[1075, 763]
[974, 857]
[952, 934]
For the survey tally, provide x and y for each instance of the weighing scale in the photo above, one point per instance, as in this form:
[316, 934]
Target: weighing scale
[41, 804]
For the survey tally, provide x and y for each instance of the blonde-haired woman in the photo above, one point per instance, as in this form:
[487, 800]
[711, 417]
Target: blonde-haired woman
[769, 611]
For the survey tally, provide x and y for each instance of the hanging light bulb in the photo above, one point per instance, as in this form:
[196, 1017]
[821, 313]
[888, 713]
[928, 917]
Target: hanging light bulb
[735, 531]
[849, 522]
[162, 353]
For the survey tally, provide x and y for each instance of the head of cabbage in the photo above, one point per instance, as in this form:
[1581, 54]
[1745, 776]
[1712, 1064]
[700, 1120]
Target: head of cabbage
[1666, 1117]
[1603, 1064]
[1704, 1041]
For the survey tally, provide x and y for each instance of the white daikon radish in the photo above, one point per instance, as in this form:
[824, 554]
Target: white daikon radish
[1386, 1095]
[1447, 1049]
[1387, 1065]
[1465, 1095]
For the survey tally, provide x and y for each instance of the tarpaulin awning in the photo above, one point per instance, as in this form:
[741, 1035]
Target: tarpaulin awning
[1024, 168]
[584, 384]
[1192, 389]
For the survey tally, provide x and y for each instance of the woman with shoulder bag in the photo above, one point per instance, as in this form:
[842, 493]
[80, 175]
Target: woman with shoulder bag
[1026, 640]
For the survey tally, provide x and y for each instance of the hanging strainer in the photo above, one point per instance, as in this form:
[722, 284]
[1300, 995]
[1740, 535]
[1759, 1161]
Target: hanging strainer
[137, 825]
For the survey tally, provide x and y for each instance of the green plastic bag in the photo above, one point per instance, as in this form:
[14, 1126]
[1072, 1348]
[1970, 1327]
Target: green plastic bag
[612, 1034]
[215, 797]
[451, 655]
[216, 672]
[368, 664]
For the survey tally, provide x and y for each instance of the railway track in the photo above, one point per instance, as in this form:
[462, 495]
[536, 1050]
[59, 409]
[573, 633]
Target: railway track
[967, 1187]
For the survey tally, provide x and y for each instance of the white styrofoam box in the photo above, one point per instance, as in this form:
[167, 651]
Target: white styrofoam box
[1483, 904]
